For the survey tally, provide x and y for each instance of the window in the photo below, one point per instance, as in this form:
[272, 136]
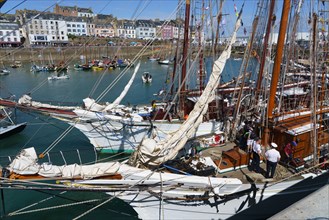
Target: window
[73, 25]
[31, 26]
[53, 38]
[42, 32]
[78, 25]
[62, 32]
[51, 22]
[79, 30]
[35, 22]
[83, 26]
[1, 33]
[31, 32]
[83, 30]
[68, 30]
[15, 39]
[57, 38]
[52, 27]
[37, 32]
[62, 38]
[68, 25]
[74, 30]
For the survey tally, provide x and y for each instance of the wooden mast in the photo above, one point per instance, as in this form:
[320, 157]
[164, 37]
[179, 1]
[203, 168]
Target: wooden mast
[185, 50]
[277, 66]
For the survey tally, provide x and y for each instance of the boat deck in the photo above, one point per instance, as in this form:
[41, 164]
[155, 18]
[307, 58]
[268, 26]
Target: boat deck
[243, 173]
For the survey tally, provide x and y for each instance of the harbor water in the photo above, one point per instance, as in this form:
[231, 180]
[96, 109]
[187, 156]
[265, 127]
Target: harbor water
[42, 131]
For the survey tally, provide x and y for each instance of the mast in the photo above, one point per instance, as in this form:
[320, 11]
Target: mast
[185, 50]
[277, 65]
[314, 89]
[219, 19]
[265, 50]
[201, 71]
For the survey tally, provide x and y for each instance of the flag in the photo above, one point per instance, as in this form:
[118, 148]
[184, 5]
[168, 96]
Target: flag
[245, 31]
[241, 22]
[235, 8]
[223, 32]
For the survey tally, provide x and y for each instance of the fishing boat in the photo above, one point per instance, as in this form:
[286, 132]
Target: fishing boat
[164, 62]
[16, 64]
[147, 77]
[55, 77]
[4, 71]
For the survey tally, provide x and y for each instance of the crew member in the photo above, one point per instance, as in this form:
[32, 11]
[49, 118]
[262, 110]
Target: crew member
[256, 152]
[272, 158]
[289, 150]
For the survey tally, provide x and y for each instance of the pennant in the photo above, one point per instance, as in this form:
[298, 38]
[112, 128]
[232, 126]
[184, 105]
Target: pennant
[223, 32]
[235, 8]
[241, 23]
[245, 31]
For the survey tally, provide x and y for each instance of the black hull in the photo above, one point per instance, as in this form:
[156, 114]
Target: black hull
[14, 130]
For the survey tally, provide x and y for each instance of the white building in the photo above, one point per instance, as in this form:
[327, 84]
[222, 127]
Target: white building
[9, 34]
[126, 29]
[76, 26]
[44, 29]
[145, 29]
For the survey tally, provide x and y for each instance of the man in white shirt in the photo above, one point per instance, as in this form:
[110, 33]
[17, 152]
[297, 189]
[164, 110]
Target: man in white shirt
[256, 152]
[272, 157]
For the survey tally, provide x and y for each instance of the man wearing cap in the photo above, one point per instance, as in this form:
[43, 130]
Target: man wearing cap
[272, 158]
[256, 151]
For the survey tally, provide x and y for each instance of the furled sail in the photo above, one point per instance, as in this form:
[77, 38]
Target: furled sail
[154, 153]
[124, 92]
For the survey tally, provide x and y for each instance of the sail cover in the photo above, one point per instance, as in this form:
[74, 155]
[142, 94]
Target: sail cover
[152, 152]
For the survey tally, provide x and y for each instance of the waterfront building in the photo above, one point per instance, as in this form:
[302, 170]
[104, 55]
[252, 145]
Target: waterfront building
[126, 29]
[9, 34]
[145, 29]
[76, 26]
[74, 11]
[91, 28]
[102, 30]
[43, 28]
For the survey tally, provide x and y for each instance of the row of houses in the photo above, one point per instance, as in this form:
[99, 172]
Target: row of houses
[55, 28]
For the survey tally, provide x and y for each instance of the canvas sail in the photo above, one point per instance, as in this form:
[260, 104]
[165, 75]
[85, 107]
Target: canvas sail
[152, 152]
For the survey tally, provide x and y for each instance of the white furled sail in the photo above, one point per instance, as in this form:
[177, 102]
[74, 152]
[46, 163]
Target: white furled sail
[154, 153]
[26, 163]
[124, 92]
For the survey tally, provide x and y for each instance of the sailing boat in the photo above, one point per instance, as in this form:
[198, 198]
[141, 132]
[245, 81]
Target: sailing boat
[7, 125]
[160, 195]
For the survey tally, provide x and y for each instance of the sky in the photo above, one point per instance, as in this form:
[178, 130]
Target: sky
[121, 8]
[142, 9]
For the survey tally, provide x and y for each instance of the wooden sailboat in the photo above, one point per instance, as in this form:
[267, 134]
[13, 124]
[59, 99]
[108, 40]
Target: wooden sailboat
[155, 194]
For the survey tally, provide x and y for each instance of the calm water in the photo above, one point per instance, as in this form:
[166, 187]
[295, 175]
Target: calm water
[41, 130]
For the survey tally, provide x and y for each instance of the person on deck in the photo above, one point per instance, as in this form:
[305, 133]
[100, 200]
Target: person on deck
[272, 158]
[256, 152]
[289, 150]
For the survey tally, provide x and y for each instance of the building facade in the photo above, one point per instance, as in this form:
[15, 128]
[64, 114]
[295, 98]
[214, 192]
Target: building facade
[104, 30]
[145, 29]
[9, 35]
[76, 26]
[43, 29]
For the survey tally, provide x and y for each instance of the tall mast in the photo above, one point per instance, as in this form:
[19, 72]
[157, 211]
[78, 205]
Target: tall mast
[265, 50]
[277, 65]
[185, 50]
[313, 55]
[201, 71]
